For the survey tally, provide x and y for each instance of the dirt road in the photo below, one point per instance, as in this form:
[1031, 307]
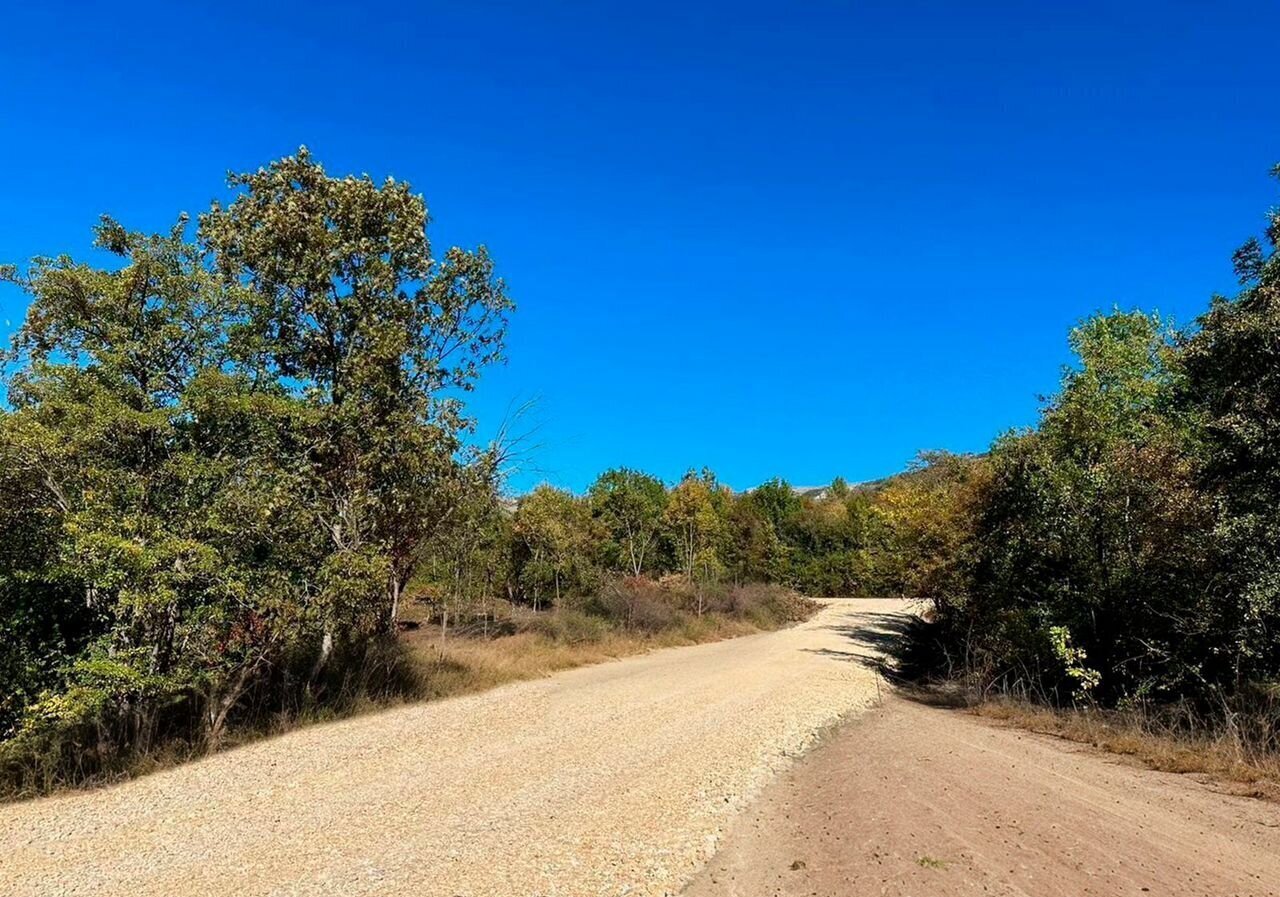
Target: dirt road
[622, 779]
[914, 800]
[608, 780]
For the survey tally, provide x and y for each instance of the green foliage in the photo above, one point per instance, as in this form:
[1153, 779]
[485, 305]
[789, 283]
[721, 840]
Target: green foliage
[224, 453]
[694, 522]
[228, 452]
[1073, 661]
[340, 299]
[630, 505]
[554, 535]
[1231, 379]
[1125, 550]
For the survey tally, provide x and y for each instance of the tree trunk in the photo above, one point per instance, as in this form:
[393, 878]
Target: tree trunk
[395, 600]
[326, 649]
[220, 708]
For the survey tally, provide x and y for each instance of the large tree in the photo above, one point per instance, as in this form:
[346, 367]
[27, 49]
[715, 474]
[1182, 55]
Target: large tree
[341, 298]
[226, 451]
[160, 476]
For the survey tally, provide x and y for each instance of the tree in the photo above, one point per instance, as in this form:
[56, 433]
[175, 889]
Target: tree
[339, 297]
[1092, 532]
[554, 531]
[753, 551]
[778, 501]
[930, 517]
[1231, 379]
[122, 396]
[630, 504]
[466, 562]
[693, 519]
[228, 452]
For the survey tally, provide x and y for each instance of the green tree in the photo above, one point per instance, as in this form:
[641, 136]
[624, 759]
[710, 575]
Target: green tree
[778, 501]
[630, 504]
[753, 551]
[466, 563]
[1094, 530]
[554, 531]
[930, 518]
[694, 522]
[122, 385]
[1231, 380]
[228, 452]
[339, 297]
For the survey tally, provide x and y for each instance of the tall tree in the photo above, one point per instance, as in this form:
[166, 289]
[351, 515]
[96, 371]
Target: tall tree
[1231, 378]
[554, 530]
[158, 476]
[340, 298]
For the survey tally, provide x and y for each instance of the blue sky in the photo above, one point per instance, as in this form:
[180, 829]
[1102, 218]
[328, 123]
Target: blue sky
[804, 240]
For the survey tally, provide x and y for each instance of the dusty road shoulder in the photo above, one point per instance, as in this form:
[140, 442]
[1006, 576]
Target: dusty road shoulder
[915, 800]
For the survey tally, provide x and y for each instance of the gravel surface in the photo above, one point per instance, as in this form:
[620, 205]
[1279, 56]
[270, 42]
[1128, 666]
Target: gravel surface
[616, 779]
[915, 801]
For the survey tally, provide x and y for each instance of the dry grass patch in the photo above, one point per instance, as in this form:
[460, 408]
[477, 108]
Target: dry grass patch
[626, 617]
[467, 664]
[1216, 755]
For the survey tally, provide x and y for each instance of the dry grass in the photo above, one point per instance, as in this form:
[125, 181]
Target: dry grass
[466, 664]
[1215, 755]
[628, 616]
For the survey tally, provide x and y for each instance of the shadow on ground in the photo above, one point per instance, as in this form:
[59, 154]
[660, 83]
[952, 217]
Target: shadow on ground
[875, 642]
[898, 647]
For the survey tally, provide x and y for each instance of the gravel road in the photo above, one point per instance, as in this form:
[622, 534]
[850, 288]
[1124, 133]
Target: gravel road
[616, 779]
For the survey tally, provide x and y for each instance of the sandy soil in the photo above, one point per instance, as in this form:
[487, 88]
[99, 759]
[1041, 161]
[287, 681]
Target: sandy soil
[608, 780]
[915, 800]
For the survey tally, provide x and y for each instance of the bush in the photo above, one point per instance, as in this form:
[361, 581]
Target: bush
[642, 605]
[638, 603]
[768, 605]
[570, 625]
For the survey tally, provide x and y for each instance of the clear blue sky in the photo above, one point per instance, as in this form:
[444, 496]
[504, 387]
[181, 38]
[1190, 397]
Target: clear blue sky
[792, 239]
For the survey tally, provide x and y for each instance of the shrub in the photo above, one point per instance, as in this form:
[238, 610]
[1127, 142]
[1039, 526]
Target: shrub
[768, 605]
[571, 626]
[638, 603]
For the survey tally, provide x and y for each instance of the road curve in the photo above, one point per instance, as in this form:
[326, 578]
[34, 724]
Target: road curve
[606, 780]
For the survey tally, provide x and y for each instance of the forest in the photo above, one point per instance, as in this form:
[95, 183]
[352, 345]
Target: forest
[237, 474]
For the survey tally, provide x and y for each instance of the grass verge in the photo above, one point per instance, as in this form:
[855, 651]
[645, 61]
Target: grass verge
[1145, 739]
[1236, 744]
[468, 664]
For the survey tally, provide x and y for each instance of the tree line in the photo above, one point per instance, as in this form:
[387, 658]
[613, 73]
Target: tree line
[554, 547]
[236, 452]
[231, 454]
[1125, 551]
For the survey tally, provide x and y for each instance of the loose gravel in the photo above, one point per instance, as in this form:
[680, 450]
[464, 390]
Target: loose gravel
[616, 779]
